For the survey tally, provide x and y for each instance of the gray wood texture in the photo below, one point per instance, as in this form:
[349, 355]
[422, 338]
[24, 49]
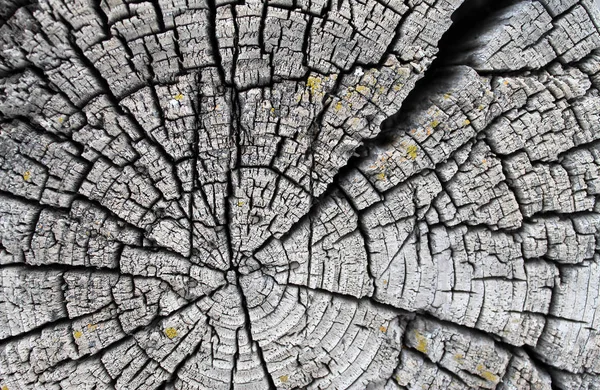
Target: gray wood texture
[299, 194]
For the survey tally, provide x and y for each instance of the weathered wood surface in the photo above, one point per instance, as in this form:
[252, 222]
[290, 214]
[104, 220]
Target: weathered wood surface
[380, 194]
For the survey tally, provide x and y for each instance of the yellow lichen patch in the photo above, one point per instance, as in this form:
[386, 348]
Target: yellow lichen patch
[489, 376]
[77, 334]
[272, 111]
[385, 281]
[61, 119]
[240, 203]
[26, 175]
[481, 107]
[382, 329]
[397, 87]
[459, 356]
[447, 95]
[338, 106]
[401, 70]
[92, 327]
[412, 151]
[486, 374]
[421, 342]
[483, 161]
[380, 176]
[178, 97]
[362, 89]
[283, 378]
[314, 83]
[171, 333]
[434, 124]
[4, 387]
[466, 122]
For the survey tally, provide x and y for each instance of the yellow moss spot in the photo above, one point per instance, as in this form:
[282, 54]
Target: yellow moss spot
[466, 122]
[27, 175]
[77, 334]
[240, 203]
[272, 111]
[171, 333]
[447, 95]
[314, 83]
[4, 387]
[489, 376]
[92, 327]
[338, 106]
[382, 328]
[283, 378]
[380, 176]
[385, 281]
[481, 107]
[486, 374]
[362, 89]
[412, 151]
[178, 97]
[397, 87]
[483, 161]
[61, 119]
[459, 356]
[421, 342]
[434, 124]
[505, 82]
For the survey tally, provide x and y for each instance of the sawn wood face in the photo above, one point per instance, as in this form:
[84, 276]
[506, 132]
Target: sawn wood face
[307, 194]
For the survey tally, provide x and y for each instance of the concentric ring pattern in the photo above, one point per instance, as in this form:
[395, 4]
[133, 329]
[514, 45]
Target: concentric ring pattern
[223, 194]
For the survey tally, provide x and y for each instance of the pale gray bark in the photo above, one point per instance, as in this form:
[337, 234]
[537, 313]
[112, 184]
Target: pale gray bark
[207, 194]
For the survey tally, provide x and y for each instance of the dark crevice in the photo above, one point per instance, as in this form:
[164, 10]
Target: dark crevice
[467, 22]
[443, 66]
